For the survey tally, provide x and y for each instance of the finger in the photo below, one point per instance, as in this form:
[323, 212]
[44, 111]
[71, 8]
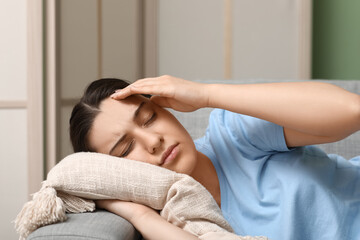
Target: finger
[148, 82]
[146, 79]
[152, 86]
[125, 92]
[154, 81]
[161, 101]
[151, 89]
[157, 79]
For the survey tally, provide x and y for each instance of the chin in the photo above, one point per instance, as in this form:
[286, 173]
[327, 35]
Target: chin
[189, 164]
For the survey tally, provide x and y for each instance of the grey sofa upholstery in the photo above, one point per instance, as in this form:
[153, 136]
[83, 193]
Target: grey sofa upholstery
[107, 226]
[96, 225]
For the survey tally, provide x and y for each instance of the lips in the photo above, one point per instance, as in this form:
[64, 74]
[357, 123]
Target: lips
[169, 154]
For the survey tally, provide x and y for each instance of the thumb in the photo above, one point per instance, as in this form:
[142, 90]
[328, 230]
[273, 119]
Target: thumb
[161, 101]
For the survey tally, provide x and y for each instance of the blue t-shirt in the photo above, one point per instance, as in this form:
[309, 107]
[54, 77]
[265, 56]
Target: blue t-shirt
[270, 190]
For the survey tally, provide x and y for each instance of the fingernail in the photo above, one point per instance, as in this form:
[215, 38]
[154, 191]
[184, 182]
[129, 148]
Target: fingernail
[114, 95]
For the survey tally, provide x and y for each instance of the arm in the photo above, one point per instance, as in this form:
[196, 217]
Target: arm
[310, 112]
[146, 220]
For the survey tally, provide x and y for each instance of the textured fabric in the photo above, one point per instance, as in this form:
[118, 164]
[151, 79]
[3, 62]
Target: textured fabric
[83, 176]
[348, 147]
[267, 189]
[98, 225]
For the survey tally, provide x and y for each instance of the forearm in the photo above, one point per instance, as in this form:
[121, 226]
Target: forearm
[147, 221]
[312, 108]
[153, 226]
[309, 107]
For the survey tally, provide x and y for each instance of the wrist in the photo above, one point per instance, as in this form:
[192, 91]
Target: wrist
[142, 216]
[141, 213]
[210, 94]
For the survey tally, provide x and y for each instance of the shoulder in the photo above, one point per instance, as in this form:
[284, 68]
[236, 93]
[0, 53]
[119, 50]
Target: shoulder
[232, 121]
[223, 117]
[245, 131]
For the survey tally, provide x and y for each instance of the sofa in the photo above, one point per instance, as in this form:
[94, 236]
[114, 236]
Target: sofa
[107, 226]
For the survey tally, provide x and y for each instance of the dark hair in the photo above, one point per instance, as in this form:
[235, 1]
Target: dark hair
[84, 112]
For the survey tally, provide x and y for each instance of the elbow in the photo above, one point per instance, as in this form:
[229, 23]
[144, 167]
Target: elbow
[355, 113]
[350, 121]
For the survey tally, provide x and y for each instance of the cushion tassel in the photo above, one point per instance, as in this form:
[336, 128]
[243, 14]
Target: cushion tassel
[45, 208]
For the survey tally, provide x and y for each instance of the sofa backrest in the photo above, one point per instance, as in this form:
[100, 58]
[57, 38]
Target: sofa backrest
[196, 122]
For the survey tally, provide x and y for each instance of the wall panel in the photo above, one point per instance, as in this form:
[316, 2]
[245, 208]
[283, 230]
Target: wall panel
[13, 50]
[77, 39]
[104, 42]
[121, 39]
[64, 137]
[13, 168]
[191, 38]
[14, 182]
[77, 61]
[264, 37]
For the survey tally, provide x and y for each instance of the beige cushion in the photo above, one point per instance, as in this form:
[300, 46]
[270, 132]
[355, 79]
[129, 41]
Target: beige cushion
[82, 177]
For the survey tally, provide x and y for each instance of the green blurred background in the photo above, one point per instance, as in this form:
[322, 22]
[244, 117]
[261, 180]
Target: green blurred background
[336, 39]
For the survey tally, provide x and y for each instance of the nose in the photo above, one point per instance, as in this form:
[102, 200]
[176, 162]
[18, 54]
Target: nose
[152, 141]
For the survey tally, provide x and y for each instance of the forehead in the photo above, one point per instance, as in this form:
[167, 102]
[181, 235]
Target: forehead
[114, 118]
[117, 113]
[130, 103]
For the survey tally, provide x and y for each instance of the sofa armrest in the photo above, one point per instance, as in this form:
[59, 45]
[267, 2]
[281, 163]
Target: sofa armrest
[92, 225]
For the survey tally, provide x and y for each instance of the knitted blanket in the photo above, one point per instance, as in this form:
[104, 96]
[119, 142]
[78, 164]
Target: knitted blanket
[80, 178]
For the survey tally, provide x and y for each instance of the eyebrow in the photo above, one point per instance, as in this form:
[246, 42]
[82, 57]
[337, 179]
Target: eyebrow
[121, 139]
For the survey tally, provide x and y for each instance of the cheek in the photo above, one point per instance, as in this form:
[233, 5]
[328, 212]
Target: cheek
[170, 125]
[137, 154]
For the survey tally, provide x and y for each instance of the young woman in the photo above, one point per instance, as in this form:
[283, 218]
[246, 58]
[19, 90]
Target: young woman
[256, 157]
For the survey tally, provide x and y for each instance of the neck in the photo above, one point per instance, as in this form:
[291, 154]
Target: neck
[205, 174]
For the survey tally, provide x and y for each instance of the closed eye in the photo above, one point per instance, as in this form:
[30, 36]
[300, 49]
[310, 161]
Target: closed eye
[151, 119]
[128, 150]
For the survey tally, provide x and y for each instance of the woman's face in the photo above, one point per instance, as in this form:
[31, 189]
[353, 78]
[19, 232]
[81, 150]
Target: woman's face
[135, 128]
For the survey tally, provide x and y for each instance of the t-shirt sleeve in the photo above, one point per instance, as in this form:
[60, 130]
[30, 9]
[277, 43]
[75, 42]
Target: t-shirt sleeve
[251, 136]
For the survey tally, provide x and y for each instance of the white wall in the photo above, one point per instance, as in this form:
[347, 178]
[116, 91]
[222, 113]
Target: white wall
[191, 38]
[13, 50]
[263, 38]
[13, 114]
